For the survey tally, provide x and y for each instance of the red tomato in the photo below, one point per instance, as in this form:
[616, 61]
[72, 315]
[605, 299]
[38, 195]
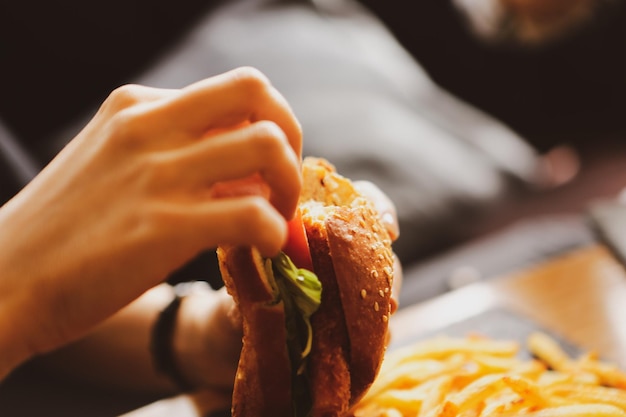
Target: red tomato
[297, 246]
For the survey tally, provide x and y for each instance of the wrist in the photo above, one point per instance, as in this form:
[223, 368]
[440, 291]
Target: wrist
[163, 342]
[187, 341]
[13, 328]
[207, 340]
[18, 341]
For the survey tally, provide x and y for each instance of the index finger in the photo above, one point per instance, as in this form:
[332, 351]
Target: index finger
[229, 99]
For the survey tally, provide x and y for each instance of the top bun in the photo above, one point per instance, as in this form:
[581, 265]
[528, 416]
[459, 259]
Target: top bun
[360, 251]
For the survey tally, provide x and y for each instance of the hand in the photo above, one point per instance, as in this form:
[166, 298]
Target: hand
[129, 200]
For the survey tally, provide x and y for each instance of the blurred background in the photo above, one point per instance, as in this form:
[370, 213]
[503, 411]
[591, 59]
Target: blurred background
[473, 115]
[493, 125]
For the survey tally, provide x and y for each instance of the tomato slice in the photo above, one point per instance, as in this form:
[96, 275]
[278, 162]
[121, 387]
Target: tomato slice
[297, 246]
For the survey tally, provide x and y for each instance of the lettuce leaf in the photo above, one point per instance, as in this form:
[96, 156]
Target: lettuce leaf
[301, 293]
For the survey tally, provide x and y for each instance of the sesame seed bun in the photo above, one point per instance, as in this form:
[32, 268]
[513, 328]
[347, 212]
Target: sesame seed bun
[352, 257]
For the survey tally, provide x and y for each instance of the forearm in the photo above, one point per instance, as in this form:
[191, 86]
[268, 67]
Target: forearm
[205, 344]
[117, 352]
[131, 199]
[13, 351]
[17, 323]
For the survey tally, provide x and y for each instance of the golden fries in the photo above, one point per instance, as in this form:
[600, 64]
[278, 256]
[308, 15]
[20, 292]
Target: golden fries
[481, 377]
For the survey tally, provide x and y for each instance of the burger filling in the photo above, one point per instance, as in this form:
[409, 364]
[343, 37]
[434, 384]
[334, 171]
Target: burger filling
[301, 292]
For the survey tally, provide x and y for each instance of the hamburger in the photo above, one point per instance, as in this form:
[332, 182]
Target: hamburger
[315, 317]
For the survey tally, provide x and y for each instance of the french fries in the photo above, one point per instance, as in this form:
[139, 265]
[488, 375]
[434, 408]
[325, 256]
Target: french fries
[482, 377]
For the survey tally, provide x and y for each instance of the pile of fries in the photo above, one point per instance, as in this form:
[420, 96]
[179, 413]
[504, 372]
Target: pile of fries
[480, 377]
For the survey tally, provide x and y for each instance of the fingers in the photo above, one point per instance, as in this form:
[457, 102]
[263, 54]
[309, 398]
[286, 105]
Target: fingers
[241, 221]
[260, 148]
[229, 99]
[132, 94]
[182, 144]
[246, 221]
[385, 207]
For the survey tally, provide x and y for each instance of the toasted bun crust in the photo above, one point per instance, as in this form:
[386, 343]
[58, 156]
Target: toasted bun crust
[362, 261]
[263, 380]
[352, 257]
[328, 364]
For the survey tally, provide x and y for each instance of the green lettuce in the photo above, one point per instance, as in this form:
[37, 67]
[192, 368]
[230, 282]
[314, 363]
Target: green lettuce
[301, 293]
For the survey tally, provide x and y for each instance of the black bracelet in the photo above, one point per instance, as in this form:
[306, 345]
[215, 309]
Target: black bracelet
[161, 344]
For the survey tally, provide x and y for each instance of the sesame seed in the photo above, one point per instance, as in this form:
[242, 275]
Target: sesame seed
[374, 273]
[376, 306]
[385, 318]
[381, 293]
[363, 293]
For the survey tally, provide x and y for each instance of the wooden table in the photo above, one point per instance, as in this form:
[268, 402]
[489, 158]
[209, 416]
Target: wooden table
[580, 297]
